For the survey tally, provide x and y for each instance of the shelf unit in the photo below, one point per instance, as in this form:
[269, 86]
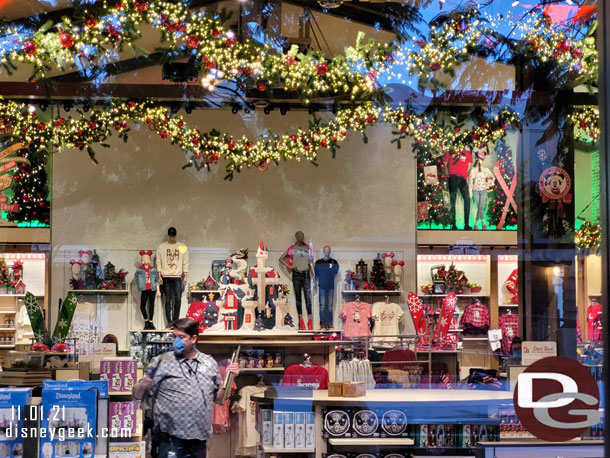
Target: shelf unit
[100, 291]
[371, 291]
[270, 449]
[374, 441]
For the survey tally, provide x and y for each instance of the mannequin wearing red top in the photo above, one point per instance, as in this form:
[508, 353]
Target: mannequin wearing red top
[459, 167]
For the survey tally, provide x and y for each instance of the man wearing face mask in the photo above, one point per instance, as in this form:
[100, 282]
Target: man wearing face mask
[184, 384]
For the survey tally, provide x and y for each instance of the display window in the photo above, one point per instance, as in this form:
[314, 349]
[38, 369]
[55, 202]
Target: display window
[333, 229]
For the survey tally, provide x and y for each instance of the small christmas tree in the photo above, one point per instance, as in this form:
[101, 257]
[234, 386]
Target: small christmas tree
[452, 279]
[377, 277]
[4, 273]
[498, 196]
[432, 210]
[95, 275]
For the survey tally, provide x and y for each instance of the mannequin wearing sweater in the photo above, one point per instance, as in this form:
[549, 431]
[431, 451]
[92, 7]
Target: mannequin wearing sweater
[480, 179]
[172, 265]
[147, 280]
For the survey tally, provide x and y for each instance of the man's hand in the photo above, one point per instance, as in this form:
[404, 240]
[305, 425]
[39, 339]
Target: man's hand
[161, 280]
[184, 283]
[233, 368]
[147, 383]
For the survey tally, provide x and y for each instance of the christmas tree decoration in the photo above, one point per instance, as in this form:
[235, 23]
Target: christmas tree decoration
[377, 276]
[5, 276]
[94, 274]
[30, 189]
[588, 237]
[502, 208]
[452, 279]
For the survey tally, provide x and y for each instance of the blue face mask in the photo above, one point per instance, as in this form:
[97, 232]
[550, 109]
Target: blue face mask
[517, 354]
[179, 346]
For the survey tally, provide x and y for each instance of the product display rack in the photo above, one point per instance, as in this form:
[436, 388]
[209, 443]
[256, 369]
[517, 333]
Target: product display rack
[422, 407]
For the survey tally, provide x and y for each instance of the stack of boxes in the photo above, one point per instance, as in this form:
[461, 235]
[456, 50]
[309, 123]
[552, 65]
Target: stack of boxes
[287, 430]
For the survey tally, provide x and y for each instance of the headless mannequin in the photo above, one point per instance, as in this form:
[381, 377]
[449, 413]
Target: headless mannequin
[326, 269]
[172, 265]
[298, 259]
[147, 279]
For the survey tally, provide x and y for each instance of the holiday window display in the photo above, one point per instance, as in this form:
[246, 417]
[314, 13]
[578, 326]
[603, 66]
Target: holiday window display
[147, 281]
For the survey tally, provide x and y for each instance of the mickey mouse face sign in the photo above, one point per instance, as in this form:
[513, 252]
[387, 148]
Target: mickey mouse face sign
[554, 185]
[336, 422]
[394, 422]
[394, 455]
[365, 422]
[366, 455]
[335, 456]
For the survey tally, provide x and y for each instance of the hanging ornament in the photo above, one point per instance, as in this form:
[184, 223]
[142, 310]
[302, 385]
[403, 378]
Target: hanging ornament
[66, 40]
[30, 48]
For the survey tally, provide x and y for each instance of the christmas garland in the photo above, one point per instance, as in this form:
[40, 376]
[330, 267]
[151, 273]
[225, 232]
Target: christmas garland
[586, 123]
[206, 149]
[115, 25]
[588, 237]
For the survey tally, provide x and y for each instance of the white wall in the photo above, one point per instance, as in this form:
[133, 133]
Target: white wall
[361, 203]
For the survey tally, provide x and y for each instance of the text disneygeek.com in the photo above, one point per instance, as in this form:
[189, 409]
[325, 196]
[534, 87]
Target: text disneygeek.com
[60, 426]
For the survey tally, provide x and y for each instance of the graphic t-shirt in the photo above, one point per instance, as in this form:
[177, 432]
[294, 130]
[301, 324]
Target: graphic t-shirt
[172, 259]
[355, 316]
[299, 256]
[458, 163]
[315, 377]
[480, 180]
[594, 324]
[246, 408]
[326, 271]
[387, 318]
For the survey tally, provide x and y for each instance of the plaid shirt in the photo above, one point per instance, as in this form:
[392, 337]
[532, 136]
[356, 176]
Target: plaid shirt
[185, 392]
[509, 324]
[475, 319]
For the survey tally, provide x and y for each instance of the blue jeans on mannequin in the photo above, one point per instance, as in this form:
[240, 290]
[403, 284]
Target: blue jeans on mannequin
[172, 288]
[326, 306]
[480, 200]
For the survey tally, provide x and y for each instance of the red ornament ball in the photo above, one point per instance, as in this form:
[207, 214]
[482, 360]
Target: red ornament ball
[66, 40]
[322, 69]
[434, 66]
[30, 48]
[261, 87]
[577, 53]
[324, 144]
[231, 144]
[192, 41]
[141, 5]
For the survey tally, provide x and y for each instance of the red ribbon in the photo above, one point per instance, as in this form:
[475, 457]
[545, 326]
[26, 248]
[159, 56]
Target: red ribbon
[510, 193]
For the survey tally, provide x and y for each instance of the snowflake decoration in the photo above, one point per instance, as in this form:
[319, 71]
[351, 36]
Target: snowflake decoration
[62, 324]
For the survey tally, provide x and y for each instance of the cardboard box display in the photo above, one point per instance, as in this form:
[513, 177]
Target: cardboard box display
[288, 429]
[354, 389]
[310, 428]
[278, 429]
[12, 409]
[127, 450]
[120, 373]
[299, 430]
[335, 389]
[70, 413]
[267, 426]
[122, 418]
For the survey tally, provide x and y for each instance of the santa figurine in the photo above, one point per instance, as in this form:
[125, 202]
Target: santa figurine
[147, 280]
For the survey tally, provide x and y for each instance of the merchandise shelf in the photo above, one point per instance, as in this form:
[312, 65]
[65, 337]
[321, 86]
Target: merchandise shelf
[99, 291]
[270, 449]
[376, 441]
[368, 291]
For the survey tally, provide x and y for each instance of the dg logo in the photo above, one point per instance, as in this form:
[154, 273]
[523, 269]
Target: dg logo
[557, 399]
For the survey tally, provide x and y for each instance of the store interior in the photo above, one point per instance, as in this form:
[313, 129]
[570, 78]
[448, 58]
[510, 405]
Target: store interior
[416, 354]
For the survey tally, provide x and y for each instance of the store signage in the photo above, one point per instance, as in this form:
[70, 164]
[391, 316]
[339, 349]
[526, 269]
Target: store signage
[533, 351]
[555, 185]
[556, 399]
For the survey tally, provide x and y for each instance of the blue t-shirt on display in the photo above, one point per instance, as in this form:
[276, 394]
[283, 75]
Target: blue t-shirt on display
[326, 269]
